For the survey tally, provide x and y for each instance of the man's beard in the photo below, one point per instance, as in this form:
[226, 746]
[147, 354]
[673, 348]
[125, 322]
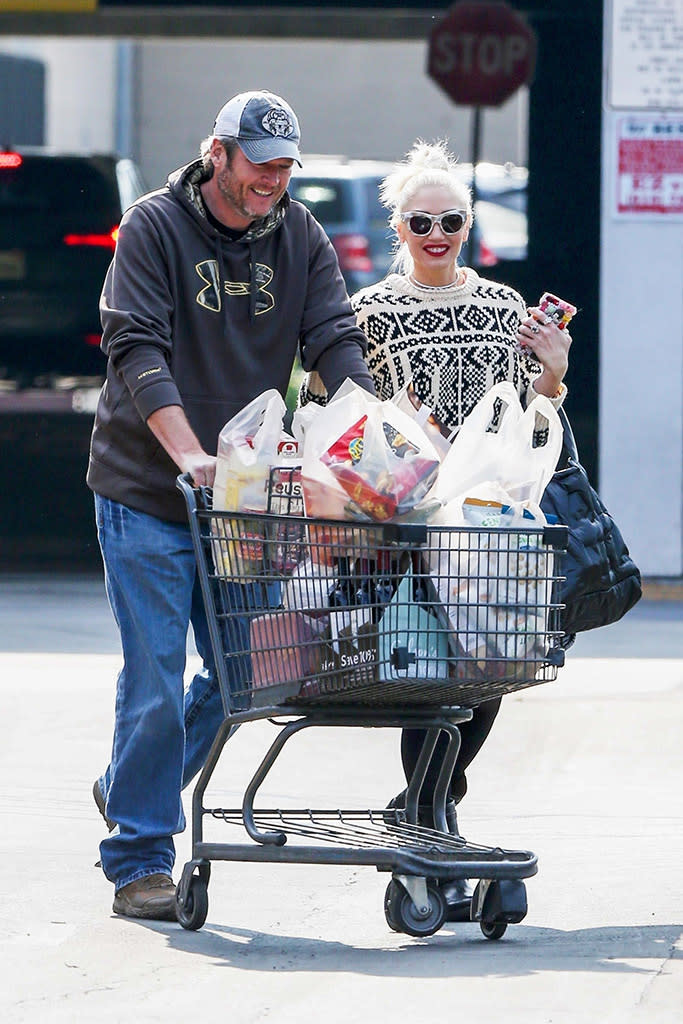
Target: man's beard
[226, 187]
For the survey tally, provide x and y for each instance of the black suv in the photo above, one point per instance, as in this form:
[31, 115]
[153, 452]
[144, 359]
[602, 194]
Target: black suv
[59, 218]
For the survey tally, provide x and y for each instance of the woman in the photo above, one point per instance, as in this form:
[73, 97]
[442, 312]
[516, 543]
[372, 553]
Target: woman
[455, 335]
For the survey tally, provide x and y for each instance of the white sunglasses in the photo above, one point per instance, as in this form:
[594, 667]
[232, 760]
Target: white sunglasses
[420, 223]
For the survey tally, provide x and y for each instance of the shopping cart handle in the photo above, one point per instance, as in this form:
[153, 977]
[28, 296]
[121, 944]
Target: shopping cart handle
[185, 484]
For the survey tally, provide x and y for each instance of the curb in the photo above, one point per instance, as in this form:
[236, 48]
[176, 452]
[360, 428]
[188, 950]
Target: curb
[663, 589]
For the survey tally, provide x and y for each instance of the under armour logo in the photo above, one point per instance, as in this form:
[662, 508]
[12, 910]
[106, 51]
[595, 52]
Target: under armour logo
[210, 296]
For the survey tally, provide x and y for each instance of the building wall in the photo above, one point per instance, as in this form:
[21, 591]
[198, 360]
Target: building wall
[641, 378]
[641, 326]
[22, 105]
[355, 99]
[80, 89]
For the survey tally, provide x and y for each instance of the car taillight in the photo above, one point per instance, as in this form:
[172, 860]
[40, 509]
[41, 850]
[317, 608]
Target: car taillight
[93, 340]
[487, 257]
[103, 241]
[353, 252]
[10, 161]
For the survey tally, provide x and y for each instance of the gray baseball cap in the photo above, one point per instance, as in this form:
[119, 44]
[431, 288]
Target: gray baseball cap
[265, 127]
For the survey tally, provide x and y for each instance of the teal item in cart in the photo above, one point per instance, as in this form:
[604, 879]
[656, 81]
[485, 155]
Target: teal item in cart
[412, 643]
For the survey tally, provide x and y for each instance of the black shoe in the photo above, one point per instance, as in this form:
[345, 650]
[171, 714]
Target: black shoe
[425, 814]
[100, 801]
[458, 895]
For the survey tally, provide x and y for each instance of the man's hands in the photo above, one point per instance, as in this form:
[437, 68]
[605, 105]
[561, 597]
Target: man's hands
[201, 467]
[171, 428]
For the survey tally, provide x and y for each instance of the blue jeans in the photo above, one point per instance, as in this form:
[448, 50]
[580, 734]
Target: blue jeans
[161, 734]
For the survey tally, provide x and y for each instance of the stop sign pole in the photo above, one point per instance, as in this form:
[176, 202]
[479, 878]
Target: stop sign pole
[480, 53]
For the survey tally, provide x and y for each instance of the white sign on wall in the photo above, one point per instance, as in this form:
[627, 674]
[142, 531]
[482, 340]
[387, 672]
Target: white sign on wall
[646, 54]
[649, 166]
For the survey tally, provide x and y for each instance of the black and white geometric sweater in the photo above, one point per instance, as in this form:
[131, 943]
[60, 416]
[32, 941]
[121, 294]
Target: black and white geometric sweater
[454, 343]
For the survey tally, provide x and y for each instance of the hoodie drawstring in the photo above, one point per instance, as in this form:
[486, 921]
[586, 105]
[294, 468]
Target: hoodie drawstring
[253, 287]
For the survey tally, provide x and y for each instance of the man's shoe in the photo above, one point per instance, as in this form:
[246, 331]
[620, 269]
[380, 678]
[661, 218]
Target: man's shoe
[151, 897]
[100, 801]
[458, 896]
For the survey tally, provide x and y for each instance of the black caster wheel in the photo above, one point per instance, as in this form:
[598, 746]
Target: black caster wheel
[493, 929]
[192, 914]
[391, 898]
[402, 916]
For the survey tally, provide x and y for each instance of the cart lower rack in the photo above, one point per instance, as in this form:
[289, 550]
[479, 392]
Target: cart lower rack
[325, 624]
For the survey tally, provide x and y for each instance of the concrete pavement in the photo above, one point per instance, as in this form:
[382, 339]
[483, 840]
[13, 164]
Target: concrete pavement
[585, 771]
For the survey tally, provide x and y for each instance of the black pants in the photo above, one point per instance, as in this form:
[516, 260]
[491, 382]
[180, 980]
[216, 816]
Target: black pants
[473, 734]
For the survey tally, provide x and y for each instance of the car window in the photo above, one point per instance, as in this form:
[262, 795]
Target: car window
[44, 184]
[328, 200]
[378, 215]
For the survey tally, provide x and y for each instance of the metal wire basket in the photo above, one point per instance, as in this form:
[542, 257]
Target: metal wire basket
[320, 613]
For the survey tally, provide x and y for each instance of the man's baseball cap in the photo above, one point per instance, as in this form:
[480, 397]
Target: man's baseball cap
[264, 125]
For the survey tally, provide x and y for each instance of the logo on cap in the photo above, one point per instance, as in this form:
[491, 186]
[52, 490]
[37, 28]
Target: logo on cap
[278, 122]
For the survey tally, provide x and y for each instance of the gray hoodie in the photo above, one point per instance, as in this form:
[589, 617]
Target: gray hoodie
[192, 318]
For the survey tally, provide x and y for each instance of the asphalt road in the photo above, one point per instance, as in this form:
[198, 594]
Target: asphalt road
[584, 771]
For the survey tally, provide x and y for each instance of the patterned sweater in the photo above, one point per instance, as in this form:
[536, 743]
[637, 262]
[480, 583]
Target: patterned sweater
[454, 344]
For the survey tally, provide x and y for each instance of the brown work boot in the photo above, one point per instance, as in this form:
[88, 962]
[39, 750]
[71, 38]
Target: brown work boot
[151, 897]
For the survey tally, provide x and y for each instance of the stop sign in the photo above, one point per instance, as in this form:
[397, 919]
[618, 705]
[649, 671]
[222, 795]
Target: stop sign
[481, 52]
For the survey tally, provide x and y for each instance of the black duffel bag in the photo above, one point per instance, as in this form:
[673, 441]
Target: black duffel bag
[603, 582]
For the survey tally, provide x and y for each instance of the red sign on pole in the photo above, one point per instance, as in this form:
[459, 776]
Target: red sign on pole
[481, 52]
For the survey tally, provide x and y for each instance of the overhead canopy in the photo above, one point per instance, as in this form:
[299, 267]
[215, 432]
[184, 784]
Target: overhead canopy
[278, 19]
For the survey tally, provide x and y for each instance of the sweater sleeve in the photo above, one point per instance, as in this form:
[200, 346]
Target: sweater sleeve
[136, 307]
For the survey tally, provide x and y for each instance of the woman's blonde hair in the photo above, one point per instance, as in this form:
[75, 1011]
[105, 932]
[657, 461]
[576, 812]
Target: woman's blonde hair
[427, 163]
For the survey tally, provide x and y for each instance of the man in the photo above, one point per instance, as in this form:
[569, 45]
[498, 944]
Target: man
[218, 278]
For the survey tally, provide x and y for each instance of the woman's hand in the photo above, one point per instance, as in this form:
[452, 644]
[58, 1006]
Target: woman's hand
[539, 336]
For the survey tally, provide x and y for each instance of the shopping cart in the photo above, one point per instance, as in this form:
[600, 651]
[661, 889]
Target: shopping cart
[317, 623]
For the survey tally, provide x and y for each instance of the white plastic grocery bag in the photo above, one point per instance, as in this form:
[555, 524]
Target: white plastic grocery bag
[495, 583]
[501, 443]
[407, 401]
[493, 578]
[249, 445]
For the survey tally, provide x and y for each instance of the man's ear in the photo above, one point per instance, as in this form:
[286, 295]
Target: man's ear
[216, 151]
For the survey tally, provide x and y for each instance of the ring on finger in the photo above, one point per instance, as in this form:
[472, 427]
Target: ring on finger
[535, 329]
[548, 320]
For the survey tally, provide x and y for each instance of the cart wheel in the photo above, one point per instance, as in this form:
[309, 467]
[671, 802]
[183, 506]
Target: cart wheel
[192, 914]
[493, 929]
[391, 899]
[402, 916]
